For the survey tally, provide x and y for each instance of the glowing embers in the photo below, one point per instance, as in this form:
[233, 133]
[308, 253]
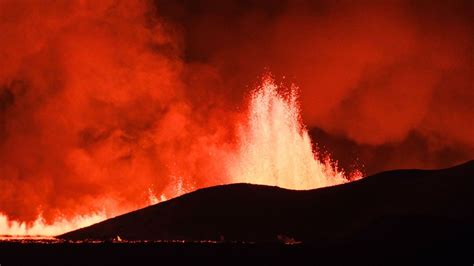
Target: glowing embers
[275, 148]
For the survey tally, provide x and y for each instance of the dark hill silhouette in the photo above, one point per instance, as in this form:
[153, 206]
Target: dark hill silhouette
[401, 207]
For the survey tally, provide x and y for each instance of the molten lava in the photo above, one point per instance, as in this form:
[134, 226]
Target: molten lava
[275, 148]
[41, 228]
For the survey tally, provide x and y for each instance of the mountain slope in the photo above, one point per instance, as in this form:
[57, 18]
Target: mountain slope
[395, 206]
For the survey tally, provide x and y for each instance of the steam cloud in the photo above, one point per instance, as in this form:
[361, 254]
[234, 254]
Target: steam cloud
[94, 109]
[389, 82]
[101, 100]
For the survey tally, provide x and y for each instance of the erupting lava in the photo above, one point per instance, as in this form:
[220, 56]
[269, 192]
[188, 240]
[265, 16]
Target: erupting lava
[122, 104]
[41, 228]
[275, 148]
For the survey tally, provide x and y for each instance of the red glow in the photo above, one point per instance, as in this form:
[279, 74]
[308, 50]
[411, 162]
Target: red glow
[273, 149]
[108, 106]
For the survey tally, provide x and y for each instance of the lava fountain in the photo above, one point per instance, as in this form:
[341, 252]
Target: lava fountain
[275, 148]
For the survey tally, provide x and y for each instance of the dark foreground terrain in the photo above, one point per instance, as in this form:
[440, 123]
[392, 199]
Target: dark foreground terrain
[402, 205]
[446, 253]
[403, 216]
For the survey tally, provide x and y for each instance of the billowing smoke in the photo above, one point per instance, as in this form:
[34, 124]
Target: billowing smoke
[102, 102]
[94, 109]
[388, 82]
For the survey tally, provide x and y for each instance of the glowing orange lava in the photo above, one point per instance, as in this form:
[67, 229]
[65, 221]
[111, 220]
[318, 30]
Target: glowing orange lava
[275, 148]
[40, 228]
